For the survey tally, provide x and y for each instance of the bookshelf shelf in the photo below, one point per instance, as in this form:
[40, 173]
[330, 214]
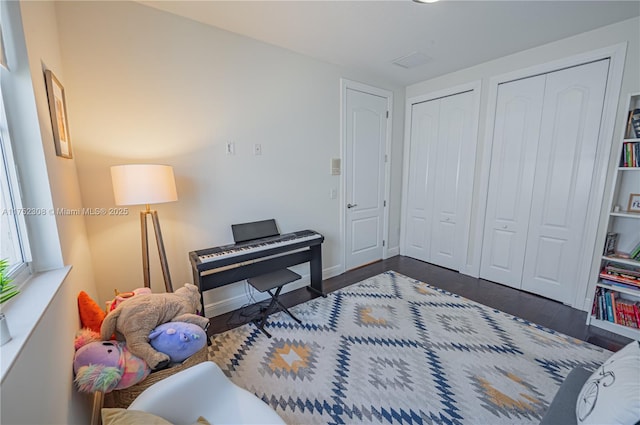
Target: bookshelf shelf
[613, 303]
[627, 261]
[625, 214]
[614, 327]
[632, 292]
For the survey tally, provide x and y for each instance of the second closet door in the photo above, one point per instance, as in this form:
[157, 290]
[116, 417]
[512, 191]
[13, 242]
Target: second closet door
[569, 134]
[546, 133]
[513, 160]
[440, 181]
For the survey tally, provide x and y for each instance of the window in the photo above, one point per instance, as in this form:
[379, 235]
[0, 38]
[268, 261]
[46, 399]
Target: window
[13, 243]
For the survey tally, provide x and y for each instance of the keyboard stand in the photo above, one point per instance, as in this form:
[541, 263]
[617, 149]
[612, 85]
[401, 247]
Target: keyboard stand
[266, 283]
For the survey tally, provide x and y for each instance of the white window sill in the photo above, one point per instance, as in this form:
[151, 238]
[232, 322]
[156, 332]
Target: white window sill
[25, 311]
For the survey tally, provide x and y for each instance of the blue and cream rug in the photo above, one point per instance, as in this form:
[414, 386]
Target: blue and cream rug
[392, 349]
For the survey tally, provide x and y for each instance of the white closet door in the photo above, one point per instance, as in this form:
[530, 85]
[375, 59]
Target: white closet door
[570, 128]
[451, 184]
[513, 159]
[441, 161]
[425, 117]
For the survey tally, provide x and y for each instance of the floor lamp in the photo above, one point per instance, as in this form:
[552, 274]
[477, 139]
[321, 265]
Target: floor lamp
[145, 184]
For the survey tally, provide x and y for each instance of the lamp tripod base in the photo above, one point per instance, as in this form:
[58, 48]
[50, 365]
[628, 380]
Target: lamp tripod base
[145, 249]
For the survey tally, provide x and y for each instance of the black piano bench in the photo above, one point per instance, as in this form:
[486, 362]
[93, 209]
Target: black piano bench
[266, 283]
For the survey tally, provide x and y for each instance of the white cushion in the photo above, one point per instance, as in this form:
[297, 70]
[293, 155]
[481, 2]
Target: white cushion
[611, 395]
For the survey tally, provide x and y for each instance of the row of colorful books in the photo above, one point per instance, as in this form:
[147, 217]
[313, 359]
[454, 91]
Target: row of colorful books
[608, 306]
[619, 274]
[630, 154]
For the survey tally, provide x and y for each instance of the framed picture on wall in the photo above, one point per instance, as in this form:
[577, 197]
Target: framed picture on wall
[634, 203]
[58, 113]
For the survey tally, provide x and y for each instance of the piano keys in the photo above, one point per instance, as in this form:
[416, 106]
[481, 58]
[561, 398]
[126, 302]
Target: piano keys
[234, 250]
[223, 265]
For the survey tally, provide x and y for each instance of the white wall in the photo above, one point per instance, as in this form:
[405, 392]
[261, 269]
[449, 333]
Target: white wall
[146, 86]
[38, 389]
[626, 31]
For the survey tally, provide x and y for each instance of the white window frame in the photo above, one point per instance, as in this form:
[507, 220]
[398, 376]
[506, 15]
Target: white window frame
[19, 271]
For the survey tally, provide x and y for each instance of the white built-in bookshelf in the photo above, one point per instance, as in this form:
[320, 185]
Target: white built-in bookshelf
[617, 291]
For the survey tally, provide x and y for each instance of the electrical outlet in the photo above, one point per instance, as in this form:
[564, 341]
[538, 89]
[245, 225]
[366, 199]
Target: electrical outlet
[257, 149]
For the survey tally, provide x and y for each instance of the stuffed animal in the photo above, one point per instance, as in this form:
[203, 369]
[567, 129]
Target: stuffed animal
[178, 340]
[139, 315]
[91, 315]
[105, 365]
[123, 296]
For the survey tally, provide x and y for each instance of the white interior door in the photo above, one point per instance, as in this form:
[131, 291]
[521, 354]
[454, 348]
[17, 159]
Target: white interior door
[570, 129]
[513, 158]
[451, 182]
[366, 133]
[441, 159]
[425, 117]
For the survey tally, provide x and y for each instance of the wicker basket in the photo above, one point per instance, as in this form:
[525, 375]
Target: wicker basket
[124, 397]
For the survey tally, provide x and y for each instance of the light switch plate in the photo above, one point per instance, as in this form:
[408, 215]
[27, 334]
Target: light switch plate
[335, 166]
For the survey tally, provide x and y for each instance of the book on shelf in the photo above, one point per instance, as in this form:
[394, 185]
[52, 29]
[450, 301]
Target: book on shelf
[627, 313]
[635, 122]
[620, 285]
[607, 301]
[629, 132]
[612, 304]
[622, 271]
[617, 274]
[630, 154]
[635, 252]
[609, 306]
[610, 243]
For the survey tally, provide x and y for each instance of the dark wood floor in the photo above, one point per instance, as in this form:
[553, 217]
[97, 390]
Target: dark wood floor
[542, 311]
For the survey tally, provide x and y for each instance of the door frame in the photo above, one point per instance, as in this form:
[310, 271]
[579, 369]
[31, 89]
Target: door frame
[616, 54]
[475, 88]
[376, 91]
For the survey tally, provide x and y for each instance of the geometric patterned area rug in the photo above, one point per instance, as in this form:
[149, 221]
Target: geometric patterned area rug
[392, 349]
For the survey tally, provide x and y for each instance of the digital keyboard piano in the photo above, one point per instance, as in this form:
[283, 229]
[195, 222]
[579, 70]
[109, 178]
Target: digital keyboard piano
[223, 265]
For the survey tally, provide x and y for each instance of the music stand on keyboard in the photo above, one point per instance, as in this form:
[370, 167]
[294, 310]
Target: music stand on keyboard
[266, 283]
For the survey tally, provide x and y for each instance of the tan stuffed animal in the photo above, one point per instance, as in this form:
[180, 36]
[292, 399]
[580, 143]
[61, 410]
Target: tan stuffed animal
[139, 315]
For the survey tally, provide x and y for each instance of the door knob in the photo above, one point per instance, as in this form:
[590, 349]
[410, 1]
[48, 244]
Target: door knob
[351, 205]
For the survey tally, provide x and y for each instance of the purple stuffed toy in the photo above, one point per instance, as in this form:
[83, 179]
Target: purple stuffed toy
[105, 365]
[178, 340]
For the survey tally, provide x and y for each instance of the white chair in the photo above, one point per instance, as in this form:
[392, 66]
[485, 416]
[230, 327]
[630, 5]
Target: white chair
[204, 390]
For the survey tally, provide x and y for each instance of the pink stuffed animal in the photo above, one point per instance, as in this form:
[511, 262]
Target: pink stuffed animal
[123, 296]
[105, 365]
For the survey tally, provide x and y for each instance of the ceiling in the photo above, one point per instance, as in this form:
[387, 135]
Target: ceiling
[369, 35]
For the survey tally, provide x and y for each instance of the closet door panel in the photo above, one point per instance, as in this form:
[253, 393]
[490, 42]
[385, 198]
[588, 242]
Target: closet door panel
[424, 137]
[570, 128]
[513, 158]
[448, 183]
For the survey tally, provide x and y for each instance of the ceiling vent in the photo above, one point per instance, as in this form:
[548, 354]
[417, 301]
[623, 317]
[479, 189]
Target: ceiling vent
[412, 60]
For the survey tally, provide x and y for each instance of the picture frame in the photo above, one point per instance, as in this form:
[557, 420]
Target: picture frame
[634, 203]
[58, 113]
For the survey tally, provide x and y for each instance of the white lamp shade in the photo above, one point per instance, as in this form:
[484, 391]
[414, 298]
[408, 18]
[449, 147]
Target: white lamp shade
[136, 184]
